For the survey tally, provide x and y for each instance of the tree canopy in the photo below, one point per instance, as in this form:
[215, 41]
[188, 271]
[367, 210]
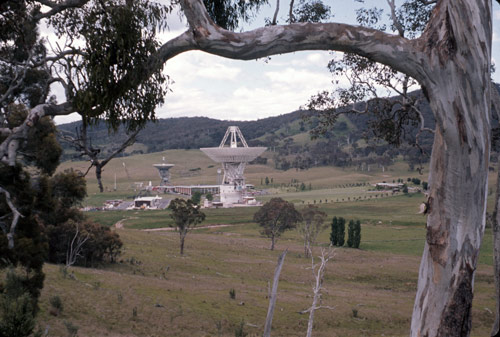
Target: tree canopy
[275, 217]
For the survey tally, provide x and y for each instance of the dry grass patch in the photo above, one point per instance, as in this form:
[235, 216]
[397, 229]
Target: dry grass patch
[372, 292]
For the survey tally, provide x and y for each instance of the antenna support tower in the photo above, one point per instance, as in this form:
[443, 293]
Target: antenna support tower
[164, 171]
[233, 157]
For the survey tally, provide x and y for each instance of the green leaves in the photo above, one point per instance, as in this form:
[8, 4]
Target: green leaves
[107, 79]
[276, 216]
[185, 213]
[229, 13]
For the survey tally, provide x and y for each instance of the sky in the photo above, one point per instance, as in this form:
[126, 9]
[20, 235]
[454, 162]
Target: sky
[215, 87]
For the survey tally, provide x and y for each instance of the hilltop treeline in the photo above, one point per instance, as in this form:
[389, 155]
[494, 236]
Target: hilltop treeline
[350, 142]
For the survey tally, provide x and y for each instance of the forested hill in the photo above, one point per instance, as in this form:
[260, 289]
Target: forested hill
[287, 135]
[183, 132]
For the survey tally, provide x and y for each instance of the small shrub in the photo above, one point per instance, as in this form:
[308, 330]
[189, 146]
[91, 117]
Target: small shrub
[354, 312]
[16, 316]
[232, 293]
[17, 306]
[56, 305]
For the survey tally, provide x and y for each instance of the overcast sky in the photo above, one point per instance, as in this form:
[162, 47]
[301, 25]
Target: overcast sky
[211, 86]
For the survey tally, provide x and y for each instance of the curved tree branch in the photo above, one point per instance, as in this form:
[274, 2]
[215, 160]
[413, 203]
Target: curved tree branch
[57, 7]
[10, 230]
[9, 146]
[392, 50]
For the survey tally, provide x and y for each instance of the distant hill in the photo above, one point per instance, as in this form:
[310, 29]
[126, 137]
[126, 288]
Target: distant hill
[183, 132]
[287, 136]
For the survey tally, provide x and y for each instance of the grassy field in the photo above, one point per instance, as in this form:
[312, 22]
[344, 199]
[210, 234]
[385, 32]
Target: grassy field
[153, 291]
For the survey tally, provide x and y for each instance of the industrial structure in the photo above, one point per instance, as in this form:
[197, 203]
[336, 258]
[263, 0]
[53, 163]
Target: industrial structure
[164, 171]
[234, 159]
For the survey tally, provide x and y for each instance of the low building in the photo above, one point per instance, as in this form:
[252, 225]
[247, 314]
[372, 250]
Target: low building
[389, 186]
[148, 202]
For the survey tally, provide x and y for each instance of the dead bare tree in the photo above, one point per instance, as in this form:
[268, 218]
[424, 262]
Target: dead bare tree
[318, 271]
[312, 224]
[274, 294]
[75, 247]
[83, 144]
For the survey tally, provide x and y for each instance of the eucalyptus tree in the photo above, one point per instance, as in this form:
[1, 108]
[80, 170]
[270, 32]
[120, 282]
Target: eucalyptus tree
[275, 217]
[450, 60]
[186, 215]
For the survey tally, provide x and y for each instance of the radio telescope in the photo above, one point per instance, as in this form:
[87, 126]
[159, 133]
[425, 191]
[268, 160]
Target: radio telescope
[233, 160]
[164, 171]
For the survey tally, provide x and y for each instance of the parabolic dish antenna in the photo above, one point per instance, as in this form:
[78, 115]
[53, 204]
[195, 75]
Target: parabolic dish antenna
[232, 157]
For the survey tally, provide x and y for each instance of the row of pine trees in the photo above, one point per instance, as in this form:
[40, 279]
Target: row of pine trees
[337, 236]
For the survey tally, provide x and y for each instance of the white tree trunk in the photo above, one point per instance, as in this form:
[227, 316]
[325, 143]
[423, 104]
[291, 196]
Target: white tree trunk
[495, 223]
[459, 95]
[274, 295]
[496, 255]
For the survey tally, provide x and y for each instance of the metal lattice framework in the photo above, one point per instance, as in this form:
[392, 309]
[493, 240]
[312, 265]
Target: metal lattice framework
[232, 157]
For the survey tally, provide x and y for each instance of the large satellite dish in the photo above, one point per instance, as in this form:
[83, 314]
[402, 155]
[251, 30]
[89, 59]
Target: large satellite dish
[232, 157]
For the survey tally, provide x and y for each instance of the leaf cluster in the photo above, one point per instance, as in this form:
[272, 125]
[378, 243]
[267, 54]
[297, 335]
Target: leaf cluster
[120, 39]
[276, 216]
[370, 84]
[185, 213]
[20, 49]
[311, 11]
[40, 147]
[228, 14]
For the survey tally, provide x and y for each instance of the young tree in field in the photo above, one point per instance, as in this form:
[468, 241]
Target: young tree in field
[275, 217]
[312, 224]
[186, 215]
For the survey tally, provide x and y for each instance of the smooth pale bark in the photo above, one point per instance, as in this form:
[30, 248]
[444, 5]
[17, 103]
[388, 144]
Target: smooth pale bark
[496, 257]
[495, 332]
[274, 295]
[458, 87]
[9, 146]
[318, 286]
